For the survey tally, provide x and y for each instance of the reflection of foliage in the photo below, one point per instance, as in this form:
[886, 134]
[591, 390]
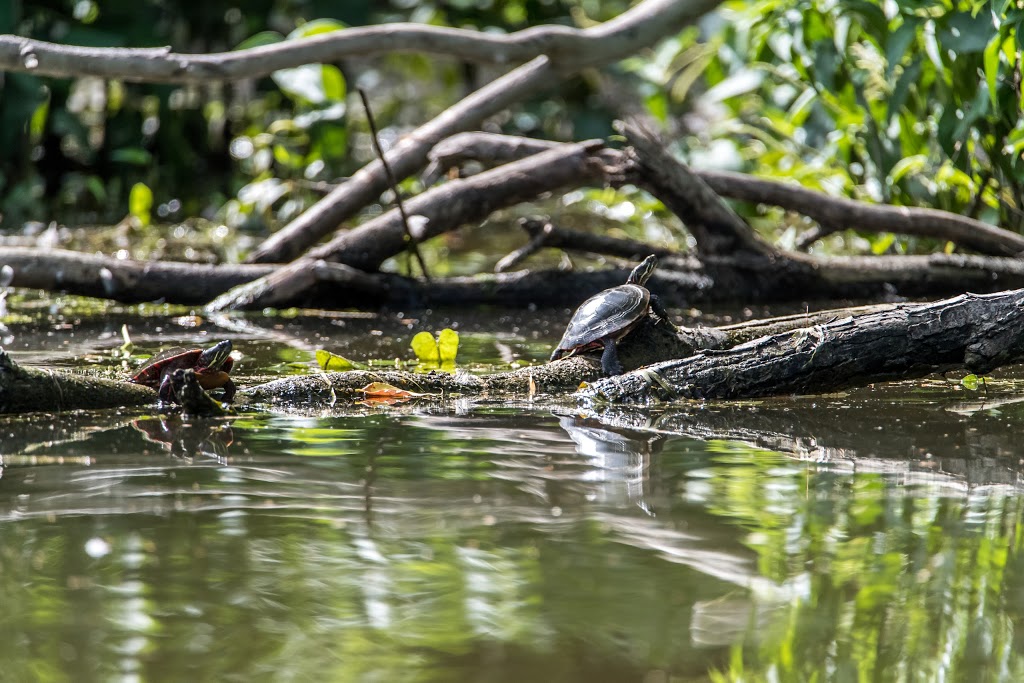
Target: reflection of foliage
[899, 588]
[423, 549]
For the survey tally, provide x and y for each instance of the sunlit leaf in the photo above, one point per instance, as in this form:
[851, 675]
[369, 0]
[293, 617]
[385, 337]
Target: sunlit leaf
[311, 83]
[425, 348]
[332, 362]
[140, 203]
[448, 345]
[882, 243]
[970, 382]
[260, 39]
[317, 27]
[911, 164]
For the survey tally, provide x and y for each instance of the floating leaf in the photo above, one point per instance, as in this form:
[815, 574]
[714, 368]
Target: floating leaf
[332, 362]
[447, 345]
[425, 348]
[385, 390]
[970, 382]
[140, 203]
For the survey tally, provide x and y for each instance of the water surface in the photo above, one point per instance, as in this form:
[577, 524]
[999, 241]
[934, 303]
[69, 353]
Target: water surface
[873, 535]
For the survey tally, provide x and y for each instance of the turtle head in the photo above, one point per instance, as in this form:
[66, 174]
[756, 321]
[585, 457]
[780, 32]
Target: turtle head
[215, 356]
[642, 272]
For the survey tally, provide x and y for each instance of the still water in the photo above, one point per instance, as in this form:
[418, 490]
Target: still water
[874, 535]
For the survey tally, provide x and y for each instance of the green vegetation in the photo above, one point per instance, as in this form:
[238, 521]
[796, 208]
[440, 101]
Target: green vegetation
[914, 102]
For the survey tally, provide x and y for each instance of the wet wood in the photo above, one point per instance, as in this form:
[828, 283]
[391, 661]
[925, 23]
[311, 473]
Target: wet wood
[800, 354]
[969, 332]
[25, 389]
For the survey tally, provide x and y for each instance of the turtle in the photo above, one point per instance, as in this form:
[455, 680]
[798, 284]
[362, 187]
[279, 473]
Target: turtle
[608, 316]
[211, 367]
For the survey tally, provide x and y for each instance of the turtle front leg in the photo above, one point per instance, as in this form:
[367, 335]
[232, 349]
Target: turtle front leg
[229, 392]
[610, 358]
[166, 393]
[658, 309]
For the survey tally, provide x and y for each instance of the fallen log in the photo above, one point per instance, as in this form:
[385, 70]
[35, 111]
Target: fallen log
[976, 333]
[801, 354]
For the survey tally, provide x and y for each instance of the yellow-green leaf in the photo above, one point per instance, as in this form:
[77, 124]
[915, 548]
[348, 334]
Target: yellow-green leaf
[332, 362]
[448, 345]
[425, 348]
[140, 203]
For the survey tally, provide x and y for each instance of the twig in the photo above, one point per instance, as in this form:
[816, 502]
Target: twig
[413, 245]
[537, 242]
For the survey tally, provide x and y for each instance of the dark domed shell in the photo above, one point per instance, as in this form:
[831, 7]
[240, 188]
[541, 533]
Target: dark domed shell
[610, 313]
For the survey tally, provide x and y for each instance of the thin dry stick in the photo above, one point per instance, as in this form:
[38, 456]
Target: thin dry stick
[413, 246]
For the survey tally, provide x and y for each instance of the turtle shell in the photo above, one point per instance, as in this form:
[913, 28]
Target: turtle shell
[152, 372]
[170, 360]
[611, 313]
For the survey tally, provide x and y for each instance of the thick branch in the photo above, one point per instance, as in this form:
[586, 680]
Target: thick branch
[828, 351]
[840, 213]
[832, 213]
[55, 270]
[572, 49]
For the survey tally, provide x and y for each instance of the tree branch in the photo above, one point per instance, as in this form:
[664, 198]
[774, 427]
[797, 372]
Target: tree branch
[832, 213]
[572, 49]
[406, 158]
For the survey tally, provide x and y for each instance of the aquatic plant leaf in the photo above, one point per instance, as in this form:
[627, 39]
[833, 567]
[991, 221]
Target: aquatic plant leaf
[332, 362]
[425, 348]
[140, 203]
[447, 345]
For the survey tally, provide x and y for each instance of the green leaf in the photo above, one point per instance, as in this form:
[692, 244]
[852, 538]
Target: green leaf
[882, 243]
[898, 42]
[425, 348]
[260, 39]
[312, 83]
[991, 61]
[316, 27]
[332, 362]
[140, 203]
[448, 345]
[970, 382]
[911, 164]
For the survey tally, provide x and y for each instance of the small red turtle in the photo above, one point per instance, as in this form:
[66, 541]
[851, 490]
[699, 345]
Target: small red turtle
[211, 366]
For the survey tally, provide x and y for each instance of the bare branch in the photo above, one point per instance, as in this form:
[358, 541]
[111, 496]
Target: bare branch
[572, 49]
[832, 213]
[839, 213]
[406, 158]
